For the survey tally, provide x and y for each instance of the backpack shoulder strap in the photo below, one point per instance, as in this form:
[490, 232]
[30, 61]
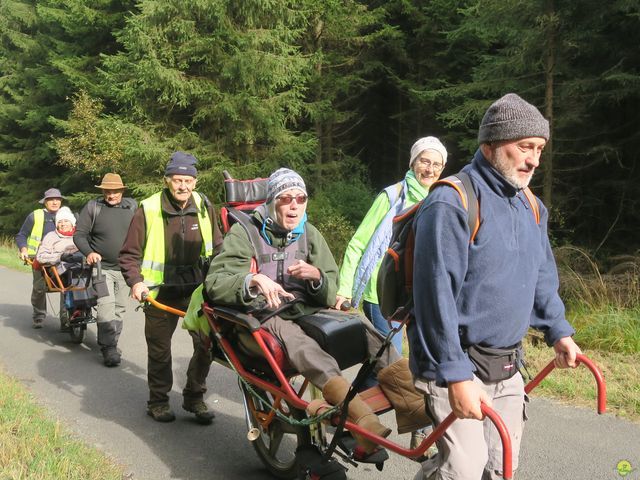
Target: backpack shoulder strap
[128, 203]
[461, 183]
[535, 208]
[94, 207]
[394, 192]
[249, 226]
[302, 252]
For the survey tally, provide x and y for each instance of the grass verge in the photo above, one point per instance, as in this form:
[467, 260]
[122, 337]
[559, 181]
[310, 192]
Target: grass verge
[577, 387]
[9, 255]
[34, 447]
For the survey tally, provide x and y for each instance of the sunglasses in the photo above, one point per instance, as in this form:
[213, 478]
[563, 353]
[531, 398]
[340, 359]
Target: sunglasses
[287, 199]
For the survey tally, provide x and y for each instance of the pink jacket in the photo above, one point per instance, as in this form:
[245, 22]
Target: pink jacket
[53, 245]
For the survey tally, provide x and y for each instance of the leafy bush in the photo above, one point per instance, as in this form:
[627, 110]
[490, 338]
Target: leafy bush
[337, 208]
[337, 232]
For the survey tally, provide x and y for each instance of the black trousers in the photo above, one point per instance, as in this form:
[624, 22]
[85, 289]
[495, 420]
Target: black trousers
[158, 330]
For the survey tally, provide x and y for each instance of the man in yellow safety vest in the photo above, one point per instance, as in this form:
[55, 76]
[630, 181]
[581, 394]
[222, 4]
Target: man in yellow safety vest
[37, 224]
[171, 237]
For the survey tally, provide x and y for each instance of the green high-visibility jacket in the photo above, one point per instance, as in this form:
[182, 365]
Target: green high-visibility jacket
[153, 260]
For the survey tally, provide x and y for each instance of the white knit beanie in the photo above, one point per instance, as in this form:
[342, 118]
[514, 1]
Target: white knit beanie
[65, 213]
[427, 143]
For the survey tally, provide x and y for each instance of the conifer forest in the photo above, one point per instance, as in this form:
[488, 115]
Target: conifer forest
[336, 89]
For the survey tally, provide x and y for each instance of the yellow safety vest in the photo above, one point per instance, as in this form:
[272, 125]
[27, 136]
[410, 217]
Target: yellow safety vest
[35, 237]
[152, 267]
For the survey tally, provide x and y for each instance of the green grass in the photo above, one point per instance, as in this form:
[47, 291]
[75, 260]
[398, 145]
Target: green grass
[607, 329]
[9, 255]
[621, 372]
[34, 447]
[610, 336]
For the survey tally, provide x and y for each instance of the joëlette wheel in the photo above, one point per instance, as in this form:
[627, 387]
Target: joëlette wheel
[277, 443]
[77, 325]
[76, 332]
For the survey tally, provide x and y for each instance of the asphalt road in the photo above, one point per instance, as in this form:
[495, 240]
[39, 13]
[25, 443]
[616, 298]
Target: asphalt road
[106, 408]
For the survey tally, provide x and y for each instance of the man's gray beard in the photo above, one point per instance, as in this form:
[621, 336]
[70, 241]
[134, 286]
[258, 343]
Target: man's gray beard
[502, 165]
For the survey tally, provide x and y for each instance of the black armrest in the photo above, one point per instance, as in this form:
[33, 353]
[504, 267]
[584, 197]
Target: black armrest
[237, 317]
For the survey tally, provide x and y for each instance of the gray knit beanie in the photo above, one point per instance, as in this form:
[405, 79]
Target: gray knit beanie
[510, 118]
[282, 180]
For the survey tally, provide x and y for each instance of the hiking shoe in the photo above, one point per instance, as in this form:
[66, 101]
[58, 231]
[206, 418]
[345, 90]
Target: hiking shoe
[64, 321]
[201, 410]
[111, 357]
[161, 413]
[37, 323]
[416, 439]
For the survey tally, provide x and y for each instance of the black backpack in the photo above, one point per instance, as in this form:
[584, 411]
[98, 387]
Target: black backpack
[395, 276]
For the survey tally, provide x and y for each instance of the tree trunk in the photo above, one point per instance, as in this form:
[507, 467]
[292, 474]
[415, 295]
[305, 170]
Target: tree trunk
[547, 186]
[400, 148]
[319, 127]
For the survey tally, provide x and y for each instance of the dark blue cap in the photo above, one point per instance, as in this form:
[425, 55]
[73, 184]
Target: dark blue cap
[182, 163]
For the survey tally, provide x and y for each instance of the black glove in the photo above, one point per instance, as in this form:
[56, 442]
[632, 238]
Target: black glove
[75, 257]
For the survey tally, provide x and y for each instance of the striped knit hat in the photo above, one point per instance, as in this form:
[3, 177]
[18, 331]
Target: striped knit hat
[510, 118]
[282, 180]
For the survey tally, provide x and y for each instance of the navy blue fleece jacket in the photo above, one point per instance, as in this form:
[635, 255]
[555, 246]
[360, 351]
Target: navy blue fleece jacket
[487, 293]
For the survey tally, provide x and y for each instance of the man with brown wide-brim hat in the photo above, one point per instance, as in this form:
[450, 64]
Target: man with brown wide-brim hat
[111, 181]
[100, 231]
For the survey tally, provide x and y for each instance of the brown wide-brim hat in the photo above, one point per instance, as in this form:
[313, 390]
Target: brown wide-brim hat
[111, 181]
[51, 193]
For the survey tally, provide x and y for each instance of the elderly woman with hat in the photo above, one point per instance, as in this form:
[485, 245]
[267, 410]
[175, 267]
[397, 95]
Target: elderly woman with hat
[60, 241]
[361, 262]
[38, 224]
[359, 271]
[295, 261]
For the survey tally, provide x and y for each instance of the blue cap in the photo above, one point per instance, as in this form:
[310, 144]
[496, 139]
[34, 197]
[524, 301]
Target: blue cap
[182, 163]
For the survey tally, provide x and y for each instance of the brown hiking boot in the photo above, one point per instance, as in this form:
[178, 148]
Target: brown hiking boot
[201, 410]
[335, 391]
[161, 413]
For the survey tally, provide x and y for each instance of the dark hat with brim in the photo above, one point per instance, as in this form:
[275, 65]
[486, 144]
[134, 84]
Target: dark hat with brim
[111, 181]
[51, 193]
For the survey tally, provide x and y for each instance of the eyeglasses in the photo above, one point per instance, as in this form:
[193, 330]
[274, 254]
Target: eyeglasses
[428, 163]
[287, 199]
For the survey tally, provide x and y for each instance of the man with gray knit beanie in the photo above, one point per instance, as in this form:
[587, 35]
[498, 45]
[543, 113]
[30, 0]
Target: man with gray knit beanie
[475, 301]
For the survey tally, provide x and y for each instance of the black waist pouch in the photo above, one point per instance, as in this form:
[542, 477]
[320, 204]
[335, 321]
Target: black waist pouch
[495, 364]
[340, 334]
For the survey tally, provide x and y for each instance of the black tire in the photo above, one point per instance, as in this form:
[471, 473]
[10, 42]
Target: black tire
[64, 319]
[76, 332]
[276, 446]
[78, 326]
